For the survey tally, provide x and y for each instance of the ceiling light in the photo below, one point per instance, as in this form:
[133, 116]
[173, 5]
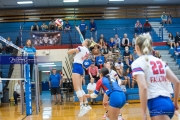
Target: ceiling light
[70, 0]
[45, 71]
[116, 0]
[47, 65]
[25, 2]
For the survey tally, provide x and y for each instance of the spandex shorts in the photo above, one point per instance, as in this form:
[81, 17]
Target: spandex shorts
[117, 99]
[77, 68]
[161, 106]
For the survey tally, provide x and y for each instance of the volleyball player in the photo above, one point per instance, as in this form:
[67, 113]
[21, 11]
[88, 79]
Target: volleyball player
[82, 53]
[113, 92]
[152, 76]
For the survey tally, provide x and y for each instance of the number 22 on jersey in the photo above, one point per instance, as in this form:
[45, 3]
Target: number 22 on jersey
[157, 67]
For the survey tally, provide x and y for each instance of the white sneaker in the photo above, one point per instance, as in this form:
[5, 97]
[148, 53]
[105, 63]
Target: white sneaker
[178, 116]
[88, 107]
[83, 111]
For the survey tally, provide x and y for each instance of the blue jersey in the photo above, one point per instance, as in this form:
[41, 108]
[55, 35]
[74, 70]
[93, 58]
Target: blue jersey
[31, 51]
[111, 44]
[93, 25]
[87, 63]
[100, 60]
[55, 80]
[82, 26]
[67, 25]
[105, 84]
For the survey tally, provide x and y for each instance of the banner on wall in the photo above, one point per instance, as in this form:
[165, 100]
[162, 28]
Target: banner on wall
[46, 38]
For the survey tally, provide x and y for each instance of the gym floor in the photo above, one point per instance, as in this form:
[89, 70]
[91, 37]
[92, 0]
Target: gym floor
[67, 111]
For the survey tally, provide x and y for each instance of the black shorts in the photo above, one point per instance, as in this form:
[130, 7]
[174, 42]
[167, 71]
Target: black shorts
[55, 90]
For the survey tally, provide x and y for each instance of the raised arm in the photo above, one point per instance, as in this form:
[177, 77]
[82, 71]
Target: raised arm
[71, 51]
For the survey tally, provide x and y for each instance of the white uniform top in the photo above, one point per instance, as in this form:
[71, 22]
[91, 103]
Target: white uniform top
[113, 74]
[170, 88]
[81, 55]
[155, 74]
[17, 87]
[119, 65]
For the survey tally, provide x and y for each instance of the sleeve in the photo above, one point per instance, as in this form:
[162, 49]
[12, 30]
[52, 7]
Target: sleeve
[98, 86]
[165, 65]
[136, 69]
[88, 87]
[34, 49]
[60, 77]
[79, 48]
[123, 41]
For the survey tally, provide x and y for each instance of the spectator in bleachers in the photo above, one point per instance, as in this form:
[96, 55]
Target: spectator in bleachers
[177, 51]
[83, 27]
[133, 81]
[157, 54]
[169, 19]
[17, 92]
[96, 51]
[44, 26]
[100, 61]
[147, 27]
[164, 18]
[126, 54]
[115, 49]
[119, 67]
[94, 72]
[125, 41]
[111, 44]
[101, 44]
[52, 24]
[171, 41]
[67, 26]
[8, 48]
[86, 64]
[117, 55]
[92, 57]
[110, 57]
[102, 37]
[177, 38]
[130, 61]
[134, 40]
[138, 27]
[35, 27]
[91, 87]
[93, 29]
[105, 51]
[135, 55]
[127, 77]
[117, 40]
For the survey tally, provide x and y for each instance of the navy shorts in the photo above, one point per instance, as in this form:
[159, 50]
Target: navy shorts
[77, 68]
[117, 99]
[161, 106]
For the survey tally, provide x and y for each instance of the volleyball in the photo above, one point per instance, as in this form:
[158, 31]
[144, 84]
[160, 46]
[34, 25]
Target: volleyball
[59, 22]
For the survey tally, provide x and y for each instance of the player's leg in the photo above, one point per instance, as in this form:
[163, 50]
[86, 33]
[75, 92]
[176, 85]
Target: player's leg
[162, 117]
[113, 113]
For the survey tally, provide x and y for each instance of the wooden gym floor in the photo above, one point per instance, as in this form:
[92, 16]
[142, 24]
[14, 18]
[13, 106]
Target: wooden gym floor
[67, 111]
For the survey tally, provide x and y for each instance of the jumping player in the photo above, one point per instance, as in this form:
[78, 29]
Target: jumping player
[152, 76]
[113, 92]
[82, 53]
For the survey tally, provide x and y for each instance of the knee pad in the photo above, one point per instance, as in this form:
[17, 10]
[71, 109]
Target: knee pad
[83, 93]
[79, 93]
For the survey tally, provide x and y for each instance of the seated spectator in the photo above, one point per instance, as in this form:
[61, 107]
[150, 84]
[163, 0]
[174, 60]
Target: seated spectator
[52, 24]
[44, 26]
[130, 61]
[100, 61]
[8, 48]
[91, 87]
[101, 44]
[115, 49]
[35, 27]
[164, 18]
[102, 37]
[177, 51]
[157, 54]
[94, 72]
[1, 48]
[119, 67]
[134, 40]
[147, 27]
[111, 44]
[169, 19]
[133, 81]
[86, 64]
[127, 77]
[125, 41]
[17, 92]
[117, 55]
[171, 41]
[67, 26]
[117, 40]
[96, 51]
[177, 38]
[126, 54]
[91, 57]
[135, 55]
[110, 57]
[138, 27]
[105, 51]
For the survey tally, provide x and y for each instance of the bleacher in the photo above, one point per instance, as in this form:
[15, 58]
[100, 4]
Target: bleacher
[174, 27]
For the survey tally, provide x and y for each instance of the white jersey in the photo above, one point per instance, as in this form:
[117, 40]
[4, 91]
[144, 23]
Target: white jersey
[170, 88]
[155, 74]
[119, 65]
[113, 74]
[81, 55]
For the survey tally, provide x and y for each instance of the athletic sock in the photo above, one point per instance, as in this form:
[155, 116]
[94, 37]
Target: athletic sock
[86, 103]
[81, 104]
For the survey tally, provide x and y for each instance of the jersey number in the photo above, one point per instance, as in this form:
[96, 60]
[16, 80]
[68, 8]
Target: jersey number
[157, 67]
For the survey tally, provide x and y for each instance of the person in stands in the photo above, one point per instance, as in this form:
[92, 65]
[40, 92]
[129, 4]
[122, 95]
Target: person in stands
[94, 72]
[17, 92]
[125, 41]
[169, 19]
[8, 48]
[83, 27]
[93, 29]
[91, 87]
[44, 26]
[67, 25]
[164, 18]
[177, 38]
[117, 40]
[138, 27]
[147, 27]
[52, 24]
[35, 27]
[171, 41]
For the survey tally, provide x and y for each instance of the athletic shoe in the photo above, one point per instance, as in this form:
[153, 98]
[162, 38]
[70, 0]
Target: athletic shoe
[104, 116]
[178, 116]
[88, 107]
[83, 111]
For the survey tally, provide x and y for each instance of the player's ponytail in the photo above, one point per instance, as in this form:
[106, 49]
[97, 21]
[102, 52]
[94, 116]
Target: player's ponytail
[89, 42]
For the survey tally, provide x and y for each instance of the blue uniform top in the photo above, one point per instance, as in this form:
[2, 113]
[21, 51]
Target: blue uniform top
[111, 44]
[105, 84]
[93, 25]
[100, 60]
[30, 50]
[55, 80]
[67, 25]
[82, 26]
[87, 63]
